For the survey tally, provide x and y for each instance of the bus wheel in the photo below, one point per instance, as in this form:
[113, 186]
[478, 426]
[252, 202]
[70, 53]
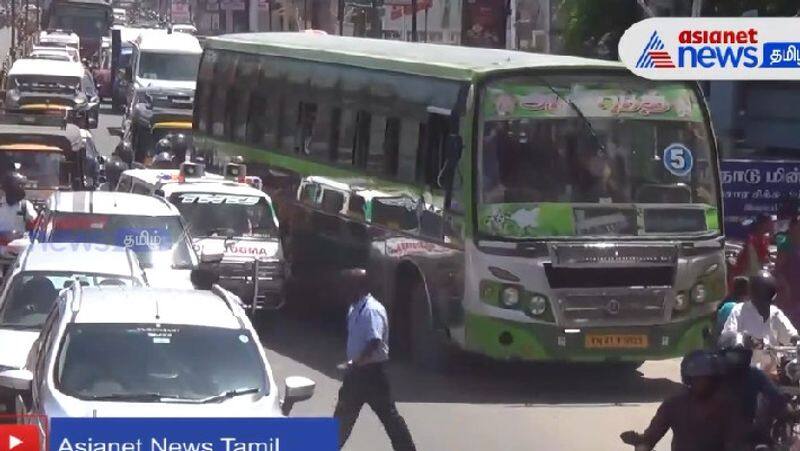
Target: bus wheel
[428, 345]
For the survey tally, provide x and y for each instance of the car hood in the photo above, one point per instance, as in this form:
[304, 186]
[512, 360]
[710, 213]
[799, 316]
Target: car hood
[15, 346]
[169, 278]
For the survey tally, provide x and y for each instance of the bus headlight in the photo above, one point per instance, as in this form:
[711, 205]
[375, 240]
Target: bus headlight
[681, 302]
[699, 293]
[509, 297]
[537, 305]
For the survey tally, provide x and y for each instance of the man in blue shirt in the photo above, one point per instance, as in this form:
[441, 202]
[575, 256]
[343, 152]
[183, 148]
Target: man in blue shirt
[365, 378]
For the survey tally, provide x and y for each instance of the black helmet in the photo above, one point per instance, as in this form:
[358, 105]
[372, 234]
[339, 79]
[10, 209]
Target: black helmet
[114, 167]
[700, 364]
[124, 151]
[763, 286]
[163, 145]
[14, 186]
[162, 160]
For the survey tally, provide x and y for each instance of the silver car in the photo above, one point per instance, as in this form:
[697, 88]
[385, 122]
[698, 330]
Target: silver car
[143, 352]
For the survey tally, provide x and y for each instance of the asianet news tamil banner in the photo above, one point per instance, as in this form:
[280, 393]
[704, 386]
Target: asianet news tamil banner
[193, 434]
[704, 48]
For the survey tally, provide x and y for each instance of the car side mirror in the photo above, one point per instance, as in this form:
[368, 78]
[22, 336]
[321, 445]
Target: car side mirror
[16, 380]
[298, 389]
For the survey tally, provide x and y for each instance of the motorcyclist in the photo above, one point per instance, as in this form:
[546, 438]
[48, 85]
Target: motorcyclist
[113, 169]
[16, 214]
[760, 400]
[700, 416]
[180, 147]
[761, 323]
[124, 151]
[163, 148]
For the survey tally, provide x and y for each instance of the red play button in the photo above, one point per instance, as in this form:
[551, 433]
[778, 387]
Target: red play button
[19, 437]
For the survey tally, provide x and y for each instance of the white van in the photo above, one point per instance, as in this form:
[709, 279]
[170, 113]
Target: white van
[164, 60]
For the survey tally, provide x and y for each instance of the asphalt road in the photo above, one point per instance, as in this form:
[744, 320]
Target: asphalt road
[479, 405]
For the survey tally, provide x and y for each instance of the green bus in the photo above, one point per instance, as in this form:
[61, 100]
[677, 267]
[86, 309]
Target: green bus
[513, 205]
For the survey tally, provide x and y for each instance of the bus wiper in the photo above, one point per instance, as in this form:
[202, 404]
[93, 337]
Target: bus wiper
[586, 122]
[230, 394]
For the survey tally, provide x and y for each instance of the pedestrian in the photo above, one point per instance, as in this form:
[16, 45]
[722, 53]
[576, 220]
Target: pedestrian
[755, 255]
[365, 380]
[787, 273]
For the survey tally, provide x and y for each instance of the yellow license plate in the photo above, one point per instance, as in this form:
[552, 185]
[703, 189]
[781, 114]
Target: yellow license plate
[608, 341]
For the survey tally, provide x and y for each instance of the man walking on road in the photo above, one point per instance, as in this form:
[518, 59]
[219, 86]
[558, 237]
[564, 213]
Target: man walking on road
[365, 378]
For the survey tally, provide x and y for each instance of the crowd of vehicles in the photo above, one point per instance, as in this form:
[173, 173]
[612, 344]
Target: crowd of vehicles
[516, 206]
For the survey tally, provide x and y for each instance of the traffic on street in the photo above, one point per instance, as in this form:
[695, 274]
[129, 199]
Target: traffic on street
[490, 239]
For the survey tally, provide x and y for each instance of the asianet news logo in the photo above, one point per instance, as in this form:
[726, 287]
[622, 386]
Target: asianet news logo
[712, 48]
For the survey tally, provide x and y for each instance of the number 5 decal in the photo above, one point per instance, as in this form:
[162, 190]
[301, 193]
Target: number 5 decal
[678, 160]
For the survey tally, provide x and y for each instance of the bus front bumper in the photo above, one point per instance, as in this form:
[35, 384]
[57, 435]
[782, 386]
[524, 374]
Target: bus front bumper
[508, 340]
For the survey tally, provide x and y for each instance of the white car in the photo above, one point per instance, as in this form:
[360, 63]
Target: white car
[230, 215]
[35, 280]
[115, 352]
[71, 53]
[184, 28]
[149, 225]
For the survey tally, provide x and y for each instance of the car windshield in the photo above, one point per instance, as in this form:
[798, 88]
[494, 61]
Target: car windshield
[159, 241]
[83, 21]
[46, 83]
[32, 294]
[180, 362]
[53, 56]
[219, 214]
[586, 155]
[169, 66]
[42, 170]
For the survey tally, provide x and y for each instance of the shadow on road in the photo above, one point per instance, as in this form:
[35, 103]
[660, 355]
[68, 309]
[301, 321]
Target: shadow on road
[318, 341]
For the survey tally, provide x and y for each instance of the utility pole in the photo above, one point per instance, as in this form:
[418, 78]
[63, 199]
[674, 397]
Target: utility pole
[414, 21]
[13, 26]
[340, 17]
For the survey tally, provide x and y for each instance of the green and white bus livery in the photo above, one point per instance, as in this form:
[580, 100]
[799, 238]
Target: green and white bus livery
[514, 205]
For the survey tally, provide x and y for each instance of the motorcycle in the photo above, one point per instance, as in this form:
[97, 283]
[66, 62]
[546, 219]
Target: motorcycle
[785, 432]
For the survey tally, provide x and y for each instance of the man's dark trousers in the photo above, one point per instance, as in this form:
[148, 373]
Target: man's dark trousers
[368, 384]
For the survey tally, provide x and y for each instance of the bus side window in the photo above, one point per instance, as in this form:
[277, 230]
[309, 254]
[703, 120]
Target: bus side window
[205, 90]
[317, 131]
[346, 142]
[375, 155]
[288, 118]
[432, 159]
[362, 137]
[225, 66]
[256, 118]
[408, 146]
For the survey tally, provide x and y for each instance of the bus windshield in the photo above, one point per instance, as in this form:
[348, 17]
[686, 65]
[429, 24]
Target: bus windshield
[82, 20]
[594, 156]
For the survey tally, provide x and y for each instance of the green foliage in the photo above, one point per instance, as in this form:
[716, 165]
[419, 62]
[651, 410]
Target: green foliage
[588, 21]
[722, 8]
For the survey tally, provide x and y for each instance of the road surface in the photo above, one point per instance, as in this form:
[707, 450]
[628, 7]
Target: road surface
[479, 405]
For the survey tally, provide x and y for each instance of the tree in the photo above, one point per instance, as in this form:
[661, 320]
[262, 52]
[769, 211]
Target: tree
[593, 28]
[735, 8]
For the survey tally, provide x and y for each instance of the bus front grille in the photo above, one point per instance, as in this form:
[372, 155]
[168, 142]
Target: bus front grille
[601, 309]
[604, 277]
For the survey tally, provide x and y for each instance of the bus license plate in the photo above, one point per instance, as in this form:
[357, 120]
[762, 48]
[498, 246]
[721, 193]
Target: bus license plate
[616, 341]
